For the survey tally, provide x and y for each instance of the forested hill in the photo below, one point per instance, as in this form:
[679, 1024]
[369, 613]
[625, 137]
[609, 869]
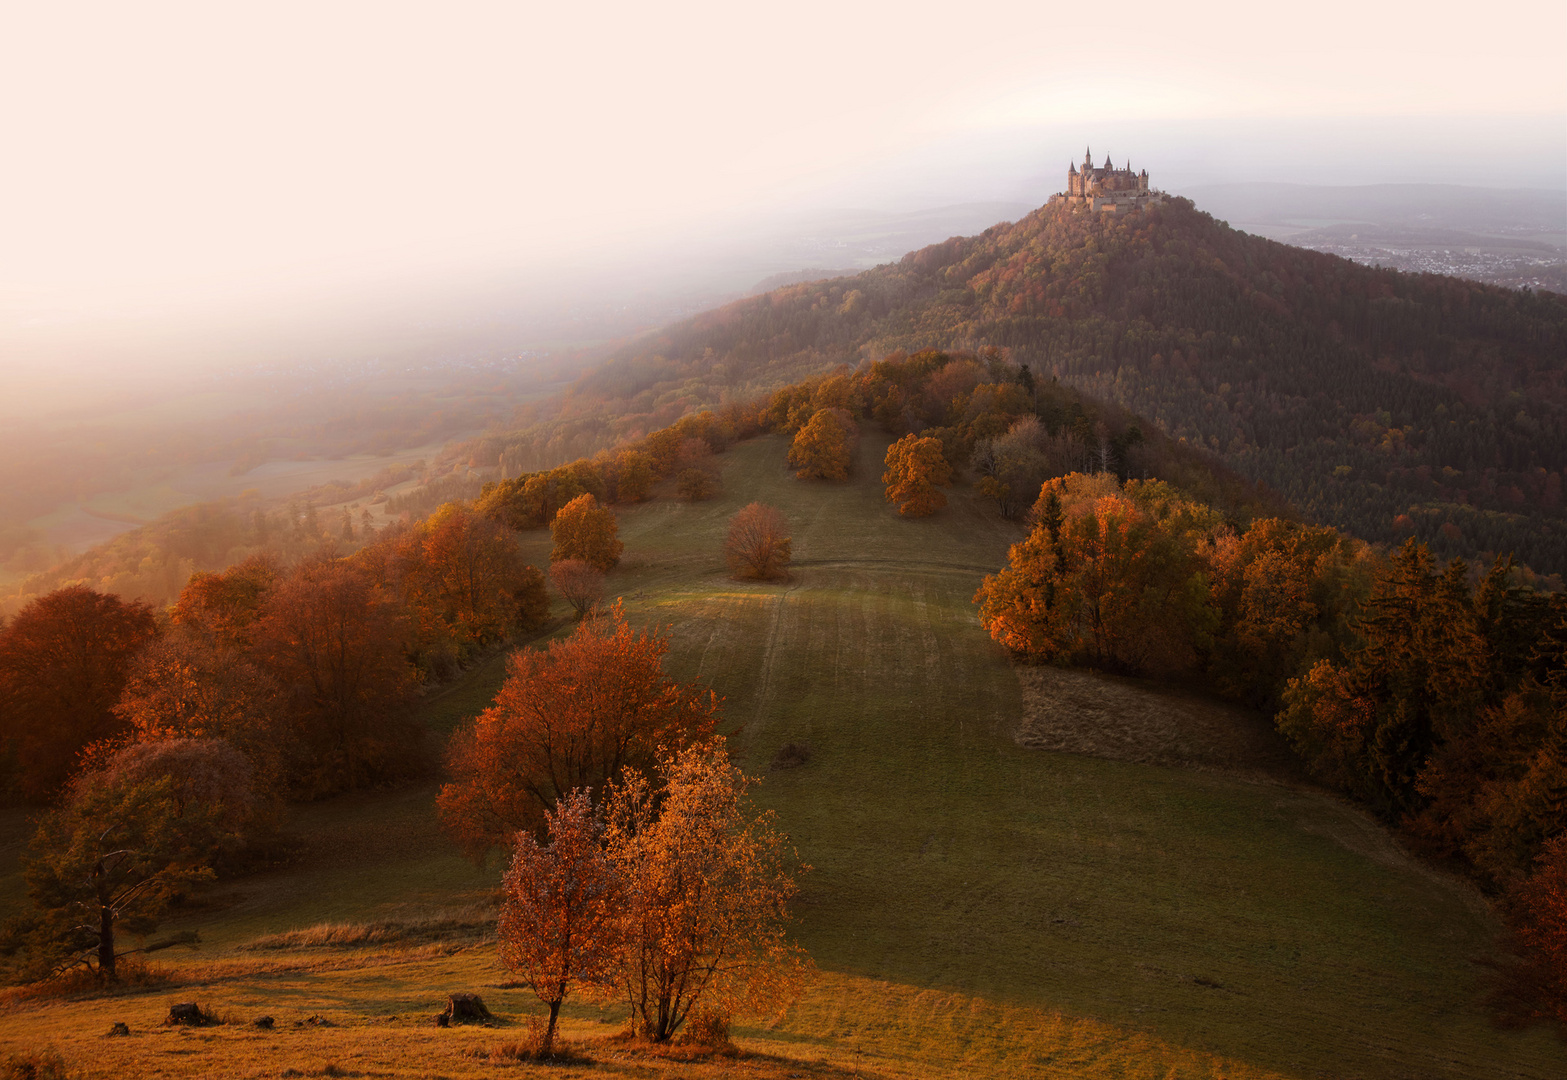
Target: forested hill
[1386, 403]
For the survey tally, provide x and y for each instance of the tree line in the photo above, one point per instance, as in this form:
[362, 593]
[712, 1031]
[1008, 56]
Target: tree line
[165, 742]
[1383, 403]
[1435, 695]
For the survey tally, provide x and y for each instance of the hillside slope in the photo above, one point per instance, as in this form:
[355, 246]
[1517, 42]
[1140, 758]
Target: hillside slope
[1385, 403]
[977, 908]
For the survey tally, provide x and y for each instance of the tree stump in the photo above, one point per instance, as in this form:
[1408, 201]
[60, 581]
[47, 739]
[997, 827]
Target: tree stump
[187, 1014]
[466, 1009]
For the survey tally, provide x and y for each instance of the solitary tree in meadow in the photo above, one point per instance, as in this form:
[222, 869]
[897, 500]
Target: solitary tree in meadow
[758, 544]
[707, 884]
[127, 840]
[581, 584]
[585, 530]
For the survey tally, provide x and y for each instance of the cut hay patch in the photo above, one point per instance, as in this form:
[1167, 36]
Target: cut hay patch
[1086, 712]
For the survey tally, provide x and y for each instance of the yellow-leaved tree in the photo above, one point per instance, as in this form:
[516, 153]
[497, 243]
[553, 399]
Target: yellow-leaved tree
[916, 467]
[707, 888]
[585, 530]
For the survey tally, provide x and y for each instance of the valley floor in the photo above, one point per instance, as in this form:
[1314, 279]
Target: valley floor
[977, 907]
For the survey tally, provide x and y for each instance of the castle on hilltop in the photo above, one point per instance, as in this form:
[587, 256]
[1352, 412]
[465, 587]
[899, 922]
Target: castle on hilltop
[1106, 190]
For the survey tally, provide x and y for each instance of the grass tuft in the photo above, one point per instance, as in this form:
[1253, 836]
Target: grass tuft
[531, 1048]
[133, 976]
[791, 755]
[34, 1065]
[472, 923]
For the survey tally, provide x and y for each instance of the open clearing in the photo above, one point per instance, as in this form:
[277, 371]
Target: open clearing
[977, 907]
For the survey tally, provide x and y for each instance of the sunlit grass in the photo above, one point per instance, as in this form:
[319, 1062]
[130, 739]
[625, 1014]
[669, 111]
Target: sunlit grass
[977, 909]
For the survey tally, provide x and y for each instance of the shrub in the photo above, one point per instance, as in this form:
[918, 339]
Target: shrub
[34, 1065]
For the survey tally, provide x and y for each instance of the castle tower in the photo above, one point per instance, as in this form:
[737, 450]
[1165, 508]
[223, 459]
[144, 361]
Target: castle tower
[1105, 189]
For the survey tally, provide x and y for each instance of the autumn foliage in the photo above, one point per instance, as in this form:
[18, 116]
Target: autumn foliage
[576, 714]
[1108, 578]
[916, 469]
[560, 916]
[465, 581]
[758, 545]
[581, 584]
[824, 448]
[336, 644]
[64, 661]
[585, 530]
[707, 891]
[675, 897]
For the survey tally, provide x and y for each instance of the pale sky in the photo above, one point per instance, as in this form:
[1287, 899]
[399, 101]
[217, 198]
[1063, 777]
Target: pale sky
[161, 159]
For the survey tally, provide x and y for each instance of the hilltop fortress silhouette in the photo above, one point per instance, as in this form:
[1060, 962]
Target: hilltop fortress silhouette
[1106, 190]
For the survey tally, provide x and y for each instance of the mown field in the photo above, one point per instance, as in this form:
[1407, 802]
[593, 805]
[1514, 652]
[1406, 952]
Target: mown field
[975, 908]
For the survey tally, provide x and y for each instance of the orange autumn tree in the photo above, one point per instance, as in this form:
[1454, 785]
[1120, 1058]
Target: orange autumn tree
[464, 579]
[181, 687]
[824, 447]
[560, 912]
[576, 714]
[915, 468]
[707, 884]
[221, 607]
[585, 530]
[758, 544]
[1108, 578]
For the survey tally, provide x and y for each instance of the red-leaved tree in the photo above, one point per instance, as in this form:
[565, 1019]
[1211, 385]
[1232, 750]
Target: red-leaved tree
[573, 715]
[560, 919]
[63, 662]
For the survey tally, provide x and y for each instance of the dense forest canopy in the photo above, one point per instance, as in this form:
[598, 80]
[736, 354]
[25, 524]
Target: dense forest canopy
[1389, 404]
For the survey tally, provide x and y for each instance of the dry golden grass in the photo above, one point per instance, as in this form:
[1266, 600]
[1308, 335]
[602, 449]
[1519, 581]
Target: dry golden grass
[375, 1020]
[475, 922]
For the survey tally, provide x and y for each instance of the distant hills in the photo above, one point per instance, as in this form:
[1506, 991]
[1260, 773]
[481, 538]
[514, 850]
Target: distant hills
[1389, 404]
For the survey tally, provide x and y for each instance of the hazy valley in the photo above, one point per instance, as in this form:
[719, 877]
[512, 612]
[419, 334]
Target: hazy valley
[1132, 722]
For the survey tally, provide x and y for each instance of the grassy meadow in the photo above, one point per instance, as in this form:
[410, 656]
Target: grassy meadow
[975, 908]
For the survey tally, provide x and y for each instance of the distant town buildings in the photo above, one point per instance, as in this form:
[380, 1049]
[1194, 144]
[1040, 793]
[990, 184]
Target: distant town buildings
[1106, 190]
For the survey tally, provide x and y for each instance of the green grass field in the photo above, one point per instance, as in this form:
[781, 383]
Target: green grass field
[976, 908]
